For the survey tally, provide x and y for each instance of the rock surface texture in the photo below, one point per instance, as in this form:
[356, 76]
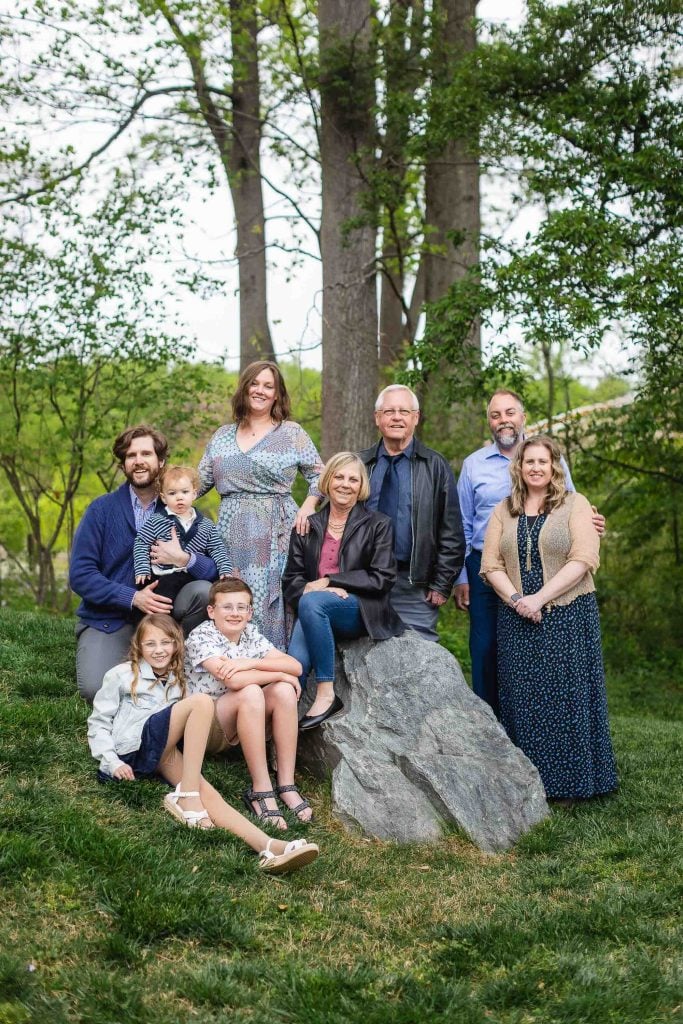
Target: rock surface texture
[414, 748]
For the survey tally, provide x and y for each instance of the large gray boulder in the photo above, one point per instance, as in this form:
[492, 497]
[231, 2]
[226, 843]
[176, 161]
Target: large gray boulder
[414, 748]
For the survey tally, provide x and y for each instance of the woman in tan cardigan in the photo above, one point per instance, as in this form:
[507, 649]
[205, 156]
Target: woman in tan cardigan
[540, 552]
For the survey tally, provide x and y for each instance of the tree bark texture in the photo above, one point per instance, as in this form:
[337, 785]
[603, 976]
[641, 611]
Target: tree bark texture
[244, 164]
[348, 234]
[237, 140]
[452, 215]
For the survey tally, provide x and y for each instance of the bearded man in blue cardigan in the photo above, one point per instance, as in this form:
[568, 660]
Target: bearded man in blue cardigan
[101, 570]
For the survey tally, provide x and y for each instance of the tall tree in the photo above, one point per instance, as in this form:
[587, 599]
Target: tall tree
[235, 128]
[348, 234]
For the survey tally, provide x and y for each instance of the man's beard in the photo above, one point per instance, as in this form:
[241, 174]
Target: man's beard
[510, 439]
[152, 477]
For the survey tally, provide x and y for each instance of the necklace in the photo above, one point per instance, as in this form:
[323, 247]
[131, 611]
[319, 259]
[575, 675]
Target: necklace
[249, 429]
[529, 534]
[336, 528]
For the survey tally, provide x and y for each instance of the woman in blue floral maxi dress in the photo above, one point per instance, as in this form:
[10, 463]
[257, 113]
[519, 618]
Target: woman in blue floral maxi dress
[253, 463]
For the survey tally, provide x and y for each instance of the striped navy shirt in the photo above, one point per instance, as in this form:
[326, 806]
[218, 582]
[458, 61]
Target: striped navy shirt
[201, 538]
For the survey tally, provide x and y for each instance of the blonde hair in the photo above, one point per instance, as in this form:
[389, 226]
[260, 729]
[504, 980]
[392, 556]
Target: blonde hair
[176, 472]
[172, 630]
[557, 488]
[337, 462]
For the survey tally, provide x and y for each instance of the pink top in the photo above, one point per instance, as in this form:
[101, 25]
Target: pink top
[329, 555]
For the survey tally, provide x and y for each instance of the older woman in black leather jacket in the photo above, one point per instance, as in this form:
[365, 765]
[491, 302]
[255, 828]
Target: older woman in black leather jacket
[338, 578]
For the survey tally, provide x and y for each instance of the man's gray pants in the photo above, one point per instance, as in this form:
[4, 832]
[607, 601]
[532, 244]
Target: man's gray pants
[97, 651]
[410, 603]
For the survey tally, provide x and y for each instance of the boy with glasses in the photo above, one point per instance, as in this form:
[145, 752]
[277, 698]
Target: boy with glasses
[255, 688]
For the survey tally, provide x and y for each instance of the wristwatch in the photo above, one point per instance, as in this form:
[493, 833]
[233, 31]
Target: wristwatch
[514, 598]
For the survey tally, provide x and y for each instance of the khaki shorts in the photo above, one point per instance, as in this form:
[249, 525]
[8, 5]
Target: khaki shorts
[218, 742]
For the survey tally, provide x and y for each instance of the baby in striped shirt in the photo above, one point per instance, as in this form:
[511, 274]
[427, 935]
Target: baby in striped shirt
[195, 532]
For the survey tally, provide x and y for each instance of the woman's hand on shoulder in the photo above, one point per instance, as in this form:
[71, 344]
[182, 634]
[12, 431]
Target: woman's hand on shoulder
[301, 523]
[599, 521]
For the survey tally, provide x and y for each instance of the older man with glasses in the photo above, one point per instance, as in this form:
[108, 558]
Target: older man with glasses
[414, 485]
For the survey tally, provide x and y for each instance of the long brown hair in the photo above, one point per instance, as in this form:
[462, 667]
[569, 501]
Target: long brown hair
[557, 488]
[240, 400]
[172, 630]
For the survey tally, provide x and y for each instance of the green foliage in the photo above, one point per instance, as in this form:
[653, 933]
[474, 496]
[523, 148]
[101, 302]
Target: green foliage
[79, 346]
[582, 107]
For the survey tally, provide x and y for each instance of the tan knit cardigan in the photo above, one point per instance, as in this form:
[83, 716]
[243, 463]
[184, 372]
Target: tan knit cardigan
[566, 535]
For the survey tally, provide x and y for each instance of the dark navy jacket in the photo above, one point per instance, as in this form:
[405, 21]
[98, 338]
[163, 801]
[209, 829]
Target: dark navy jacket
[101, 570]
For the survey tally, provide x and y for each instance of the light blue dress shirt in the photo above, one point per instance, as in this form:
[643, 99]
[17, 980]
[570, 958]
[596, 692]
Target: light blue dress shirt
[484, 481]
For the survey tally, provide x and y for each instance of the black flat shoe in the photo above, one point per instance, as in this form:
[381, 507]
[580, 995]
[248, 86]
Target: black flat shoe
[312, 722]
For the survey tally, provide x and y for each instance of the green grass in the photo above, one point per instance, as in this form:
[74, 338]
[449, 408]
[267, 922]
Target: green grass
[111, 912]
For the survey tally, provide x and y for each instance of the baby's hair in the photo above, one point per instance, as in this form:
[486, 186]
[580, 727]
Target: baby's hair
[229, 586]
[172, 630]
[175, 473]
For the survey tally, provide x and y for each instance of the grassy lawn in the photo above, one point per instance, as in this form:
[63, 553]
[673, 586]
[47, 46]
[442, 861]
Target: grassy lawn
[112, 912]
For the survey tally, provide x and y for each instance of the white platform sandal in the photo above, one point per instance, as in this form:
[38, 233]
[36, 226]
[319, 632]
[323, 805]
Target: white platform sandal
[190, 818]
[294, 856]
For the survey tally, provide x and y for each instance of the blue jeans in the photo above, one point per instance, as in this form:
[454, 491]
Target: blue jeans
[322, 617]
[483, 628]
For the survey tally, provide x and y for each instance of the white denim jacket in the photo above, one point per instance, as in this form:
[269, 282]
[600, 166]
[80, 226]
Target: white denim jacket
[116, 723]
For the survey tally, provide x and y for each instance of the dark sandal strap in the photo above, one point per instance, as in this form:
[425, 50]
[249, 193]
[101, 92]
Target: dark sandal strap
[260, 798]
[303, 806]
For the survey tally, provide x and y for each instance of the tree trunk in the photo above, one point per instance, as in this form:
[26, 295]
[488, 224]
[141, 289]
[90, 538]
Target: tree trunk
[404, 74]
[237, 141]
[244, 163]
[452, 216]
[348, 235]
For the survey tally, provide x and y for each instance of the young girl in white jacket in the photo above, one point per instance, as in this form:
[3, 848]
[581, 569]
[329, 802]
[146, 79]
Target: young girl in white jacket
[140, 715]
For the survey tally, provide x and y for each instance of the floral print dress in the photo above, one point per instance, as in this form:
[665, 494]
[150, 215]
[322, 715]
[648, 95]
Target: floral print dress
[257, 510]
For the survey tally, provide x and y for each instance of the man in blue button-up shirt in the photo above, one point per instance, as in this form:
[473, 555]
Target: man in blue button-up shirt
[484, 481]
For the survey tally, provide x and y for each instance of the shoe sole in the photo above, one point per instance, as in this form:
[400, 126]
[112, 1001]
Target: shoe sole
[290, 861]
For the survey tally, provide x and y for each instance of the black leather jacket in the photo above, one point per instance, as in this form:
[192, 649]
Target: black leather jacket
[367, 567]
[438, 550]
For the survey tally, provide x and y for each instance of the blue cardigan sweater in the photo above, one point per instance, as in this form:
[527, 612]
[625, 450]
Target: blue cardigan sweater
[101, 570]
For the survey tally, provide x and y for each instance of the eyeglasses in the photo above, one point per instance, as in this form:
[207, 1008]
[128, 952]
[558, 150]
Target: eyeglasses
[151, 645]
[241, 608]
[397, 412]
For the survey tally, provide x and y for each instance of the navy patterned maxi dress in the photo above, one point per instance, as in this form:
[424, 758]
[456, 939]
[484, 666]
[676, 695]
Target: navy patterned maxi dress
[553, 703]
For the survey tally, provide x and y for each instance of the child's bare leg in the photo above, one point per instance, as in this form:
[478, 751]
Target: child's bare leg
[225, 816]
[281, 711]
[243, 713]
[190, 721]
